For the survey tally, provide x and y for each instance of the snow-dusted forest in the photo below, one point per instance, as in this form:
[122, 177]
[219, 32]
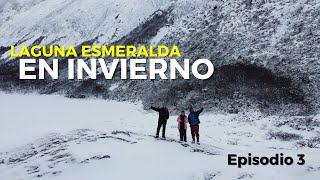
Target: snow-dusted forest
[265, 52]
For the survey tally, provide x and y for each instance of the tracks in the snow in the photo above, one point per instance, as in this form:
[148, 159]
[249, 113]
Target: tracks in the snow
[203, 148]
[45, 156]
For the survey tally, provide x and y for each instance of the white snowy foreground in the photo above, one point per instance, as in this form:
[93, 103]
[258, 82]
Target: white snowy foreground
[54, 138]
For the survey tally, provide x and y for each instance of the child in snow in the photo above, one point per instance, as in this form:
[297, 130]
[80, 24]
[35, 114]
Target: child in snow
[182, 126]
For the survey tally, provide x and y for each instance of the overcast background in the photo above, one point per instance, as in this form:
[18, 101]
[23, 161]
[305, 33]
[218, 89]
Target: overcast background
[2, 2]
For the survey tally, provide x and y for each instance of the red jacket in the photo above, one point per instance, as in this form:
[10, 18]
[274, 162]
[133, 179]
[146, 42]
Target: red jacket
[185, 121]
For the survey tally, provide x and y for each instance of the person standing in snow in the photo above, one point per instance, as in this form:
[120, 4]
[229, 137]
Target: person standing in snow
[194, 122]
[162, 121]
[182, 126]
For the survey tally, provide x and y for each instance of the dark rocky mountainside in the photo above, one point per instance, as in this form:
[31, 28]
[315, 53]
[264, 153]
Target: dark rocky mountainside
[265, 52]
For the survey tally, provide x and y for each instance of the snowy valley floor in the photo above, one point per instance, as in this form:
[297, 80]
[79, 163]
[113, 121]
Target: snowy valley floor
[55, 138]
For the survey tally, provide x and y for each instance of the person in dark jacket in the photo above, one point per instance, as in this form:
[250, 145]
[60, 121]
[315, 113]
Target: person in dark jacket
[182, 126]
[162, 121]
[194, 122]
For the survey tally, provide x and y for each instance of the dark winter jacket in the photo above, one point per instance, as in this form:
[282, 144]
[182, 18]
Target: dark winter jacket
[163, 113]
[194, 117]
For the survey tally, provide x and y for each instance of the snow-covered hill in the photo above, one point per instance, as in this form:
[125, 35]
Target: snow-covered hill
[271, 47]
[71, 22]
[51, 137]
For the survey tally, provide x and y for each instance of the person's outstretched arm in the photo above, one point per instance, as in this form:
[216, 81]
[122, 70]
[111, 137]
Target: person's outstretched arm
[200, 111]
[155, 109]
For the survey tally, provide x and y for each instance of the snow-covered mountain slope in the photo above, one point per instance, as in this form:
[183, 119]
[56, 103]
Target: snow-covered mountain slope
[265, 52]
[51, 137]
[281, 37]
[71, 22]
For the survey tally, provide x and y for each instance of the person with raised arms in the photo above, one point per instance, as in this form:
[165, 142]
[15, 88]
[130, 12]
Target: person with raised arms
[162, 121]
[194, 122]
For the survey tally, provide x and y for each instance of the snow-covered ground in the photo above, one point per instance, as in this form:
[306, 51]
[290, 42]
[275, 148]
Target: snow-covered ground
[51, 137]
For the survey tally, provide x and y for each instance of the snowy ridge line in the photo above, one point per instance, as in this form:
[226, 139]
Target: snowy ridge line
[200, 28]
[60, 18]
[45, 155]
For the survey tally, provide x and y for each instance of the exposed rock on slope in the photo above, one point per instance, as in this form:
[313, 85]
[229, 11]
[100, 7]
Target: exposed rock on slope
[266, 53]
